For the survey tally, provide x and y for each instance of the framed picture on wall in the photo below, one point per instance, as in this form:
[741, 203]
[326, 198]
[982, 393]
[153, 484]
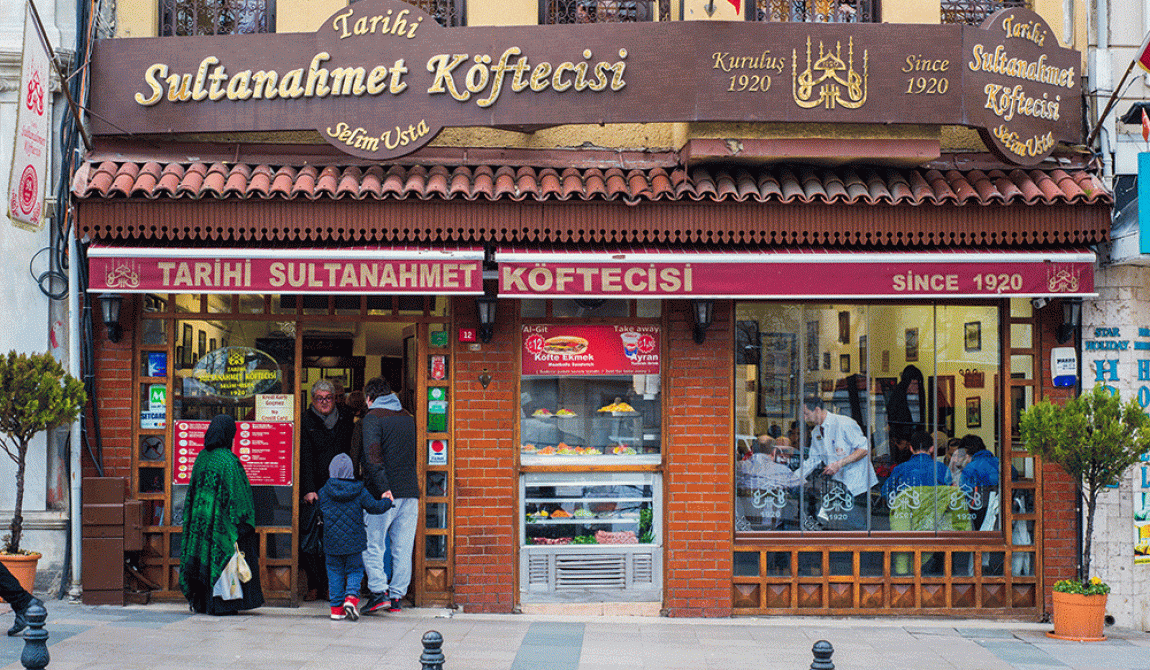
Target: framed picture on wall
[826, 360]
[972, 336]
[202, 342]
[844, 363]
[863, 354]
[911, 345]
[812, 345]
[778, 383]
[212, 344]
[186, 341]
[974, 412]
[845, 327]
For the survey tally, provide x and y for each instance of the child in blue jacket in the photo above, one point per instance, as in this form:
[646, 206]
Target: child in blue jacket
[342, 501]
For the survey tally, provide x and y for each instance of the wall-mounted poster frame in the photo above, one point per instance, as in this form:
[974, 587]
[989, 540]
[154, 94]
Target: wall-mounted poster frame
[186, 343]
[911, 345]
[778, 375]
[974, 412]
[972, 336]
[812, 346]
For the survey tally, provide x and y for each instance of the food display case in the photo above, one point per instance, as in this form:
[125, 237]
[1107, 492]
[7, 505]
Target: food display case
[594, 419]
[594, 534]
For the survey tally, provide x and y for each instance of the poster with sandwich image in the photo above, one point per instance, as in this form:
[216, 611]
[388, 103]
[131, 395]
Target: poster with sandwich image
[590, 349]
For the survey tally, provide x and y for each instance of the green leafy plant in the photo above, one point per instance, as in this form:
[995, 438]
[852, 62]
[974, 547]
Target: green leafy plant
[1094, 587]
[36, 394]
[1094, 438]
[646, 528]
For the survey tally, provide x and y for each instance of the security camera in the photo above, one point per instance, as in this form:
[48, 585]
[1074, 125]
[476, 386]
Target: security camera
[1039, 303]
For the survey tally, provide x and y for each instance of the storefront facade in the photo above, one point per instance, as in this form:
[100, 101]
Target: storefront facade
[592, 342]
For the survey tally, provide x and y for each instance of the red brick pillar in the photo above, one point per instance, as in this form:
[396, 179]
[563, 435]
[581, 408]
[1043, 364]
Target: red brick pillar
[1058, 492]
[113, 393]
[698, 455]
[486, 530]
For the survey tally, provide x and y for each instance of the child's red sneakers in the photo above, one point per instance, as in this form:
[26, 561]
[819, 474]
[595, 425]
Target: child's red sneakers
[351, 607]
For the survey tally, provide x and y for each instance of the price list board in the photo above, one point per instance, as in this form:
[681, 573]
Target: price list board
[264, 448]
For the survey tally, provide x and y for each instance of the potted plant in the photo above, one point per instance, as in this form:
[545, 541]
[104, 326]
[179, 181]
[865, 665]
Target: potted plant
[1094, 438]
[36, 394]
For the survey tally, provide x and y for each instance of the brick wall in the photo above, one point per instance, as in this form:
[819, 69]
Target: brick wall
[697, 454]
[486, 534]
[1059, 524]
[112, 400]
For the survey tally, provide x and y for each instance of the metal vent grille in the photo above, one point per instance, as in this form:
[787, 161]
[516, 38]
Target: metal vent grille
[591, 571]
[642, 569]
[539, 570]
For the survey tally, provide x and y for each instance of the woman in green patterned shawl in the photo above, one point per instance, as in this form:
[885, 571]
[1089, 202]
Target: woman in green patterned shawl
[218, 513]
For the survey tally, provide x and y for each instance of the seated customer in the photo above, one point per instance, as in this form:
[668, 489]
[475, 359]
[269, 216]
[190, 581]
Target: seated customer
[920, 469]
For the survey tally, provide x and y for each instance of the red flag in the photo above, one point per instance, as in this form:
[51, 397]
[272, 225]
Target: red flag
[1145, 126]
[1143, 54]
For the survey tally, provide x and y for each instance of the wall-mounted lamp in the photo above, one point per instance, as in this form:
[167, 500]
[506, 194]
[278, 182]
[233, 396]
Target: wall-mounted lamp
[1071, 319]
[485, 306]
[110, 307]
[484, 378]
[703, 311]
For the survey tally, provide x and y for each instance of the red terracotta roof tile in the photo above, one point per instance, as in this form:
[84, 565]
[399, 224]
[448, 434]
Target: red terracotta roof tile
[779, 183]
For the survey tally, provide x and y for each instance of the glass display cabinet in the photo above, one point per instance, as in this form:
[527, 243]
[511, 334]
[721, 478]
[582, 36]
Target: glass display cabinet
[594, 534]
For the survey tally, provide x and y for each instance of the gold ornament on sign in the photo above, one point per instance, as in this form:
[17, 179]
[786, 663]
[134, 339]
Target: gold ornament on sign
[830, 81]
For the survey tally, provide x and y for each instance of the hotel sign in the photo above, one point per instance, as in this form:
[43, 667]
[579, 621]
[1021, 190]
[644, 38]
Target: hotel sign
[380, 78]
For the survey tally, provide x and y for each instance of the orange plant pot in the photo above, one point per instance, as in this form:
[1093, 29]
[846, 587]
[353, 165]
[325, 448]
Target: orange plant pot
[22, 567]
[1078, 617]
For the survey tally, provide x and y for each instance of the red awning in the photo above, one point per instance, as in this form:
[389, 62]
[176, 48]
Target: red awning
[392, 270]
[793, 273]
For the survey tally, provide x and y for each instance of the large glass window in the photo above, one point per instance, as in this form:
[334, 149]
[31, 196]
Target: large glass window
[235, 367]
[857, 417]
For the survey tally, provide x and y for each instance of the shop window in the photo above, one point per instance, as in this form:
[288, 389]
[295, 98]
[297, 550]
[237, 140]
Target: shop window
[814, 11]
[598, 11]
[184, 18]
[854, 417]
[974, 12]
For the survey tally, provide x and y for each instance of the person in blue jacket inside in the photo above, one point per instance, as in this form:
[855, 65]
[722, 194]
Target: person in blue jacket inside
[920, 469]
[342, 502]
[983, 468]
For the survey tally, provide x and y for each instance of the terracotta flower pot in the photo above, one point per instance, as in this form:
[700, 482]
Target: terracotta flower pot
[22, 567]
[1078, 617]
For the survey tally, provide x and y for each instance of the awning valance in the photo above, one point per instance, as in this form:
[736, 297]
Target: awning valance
[390, 270]
[793, 273]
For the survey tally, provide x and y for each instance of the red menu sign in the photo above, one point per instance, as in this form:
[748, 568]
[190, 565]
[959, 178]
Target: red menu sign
[590, 350]
[264, 447]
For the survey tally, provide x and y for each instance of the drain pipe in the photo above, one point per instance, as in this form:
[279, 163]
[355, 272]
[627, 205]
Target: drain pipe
[1101, 84]
[74, 453]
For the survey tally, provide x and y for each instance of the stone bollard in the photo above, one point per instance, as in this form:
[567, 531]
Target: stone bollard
[35, 654]
[432, 656]
[823, 652]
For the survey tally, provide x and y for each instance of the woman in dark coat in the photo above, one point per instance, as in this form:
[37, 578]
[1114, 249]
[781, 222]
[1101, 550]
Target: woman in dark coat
[898, 415]
[218, 513]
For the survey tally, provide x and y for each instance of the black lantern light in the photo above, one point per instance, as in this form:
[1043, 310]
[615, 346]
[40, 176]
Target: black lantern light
[703, 312]
[1071, 319]
[485, 306]
[110, 307]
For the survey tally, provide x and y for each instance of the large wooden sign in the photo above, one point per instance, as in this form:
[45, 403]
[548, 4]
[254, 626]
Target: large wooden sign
[380, 78]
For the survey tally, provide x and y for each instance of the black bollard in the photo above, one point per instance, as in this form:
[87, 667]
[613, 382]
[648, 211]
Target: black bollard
[35, 654]
[823, 652]
[432, 656]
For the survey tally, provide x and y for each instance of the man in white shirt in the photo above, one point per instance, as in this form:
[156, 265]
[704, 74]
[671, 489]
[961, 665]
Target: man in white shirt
[840, 448]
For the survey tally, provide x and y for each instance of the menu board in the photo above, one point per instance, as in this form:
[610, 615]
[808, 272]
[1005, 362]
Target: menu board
[590, 350]
[264, 448]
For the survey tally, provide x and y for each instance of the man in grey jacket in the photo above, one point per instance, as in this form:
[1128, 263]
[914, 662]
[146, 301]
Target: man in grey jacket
[388, 462]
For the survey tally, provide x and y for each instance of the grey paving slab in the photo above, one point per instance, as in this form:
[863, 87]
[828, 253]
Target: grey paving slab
[167, 636]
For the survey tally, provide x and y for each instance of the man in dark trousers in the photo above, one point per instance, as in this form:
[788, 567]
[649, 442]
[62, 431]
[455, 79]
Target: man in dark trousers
[389, 468]
[325, 431]
[18, 598]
